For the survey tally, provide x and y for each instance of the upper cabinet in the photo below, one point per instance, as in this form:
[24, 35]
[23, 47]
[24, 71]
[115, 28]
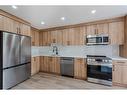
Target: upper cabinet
[35, 37]
[116, 32]
[97, 29]
[91, 30]
[25, 30]
[11, 25]
[79, 35]
[114, 28]
[70, 36]
[1, 22]
[102, 28]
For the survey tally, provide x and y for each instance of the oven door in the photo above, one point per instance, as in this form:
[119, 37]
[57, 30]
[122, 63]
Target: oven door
[101, 72]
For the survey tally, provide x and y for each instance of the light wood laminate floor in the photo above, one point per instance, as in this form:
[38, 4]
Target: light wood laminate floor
[51, 81]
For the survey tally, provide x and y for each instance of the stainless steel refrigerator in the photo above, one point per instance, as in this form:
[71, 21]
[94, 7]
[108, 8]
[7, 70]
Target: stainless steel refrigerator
[15, 58]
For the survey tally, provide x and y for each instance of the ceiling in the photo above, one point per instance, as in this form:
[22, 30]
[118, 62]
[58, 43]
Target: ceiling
[73, 14]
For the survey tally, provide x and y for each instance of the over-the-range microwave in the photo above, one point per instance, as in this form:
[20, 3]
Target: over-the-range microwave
[97, 40]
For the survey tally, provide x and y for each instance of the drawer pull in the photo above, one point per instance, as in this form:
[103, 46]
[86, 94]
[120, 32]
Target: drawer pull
[120, 62]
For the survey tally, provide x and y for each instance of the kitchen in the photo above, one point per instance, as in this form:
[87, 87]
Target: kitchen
[88, 54]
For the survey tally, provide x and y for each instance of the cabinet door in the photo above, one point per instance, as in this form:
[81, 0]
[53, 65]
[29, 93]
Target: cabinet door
[44, 64]
[65, 37]
[16, 27]
[80, 36]
[36, 38]
[102, 28]
[48, 38]
[41, 38]
[54, 65]
[59, 36]
[1, 22]
[117, 73]
[116, 32]
[37, 64]
[8, 24]
[120, 73]
[53, 36]
[91, 30]
[45, 38]
[25, 30]
[33, 66]
[33, 37]
[80, 68]
[71, 36]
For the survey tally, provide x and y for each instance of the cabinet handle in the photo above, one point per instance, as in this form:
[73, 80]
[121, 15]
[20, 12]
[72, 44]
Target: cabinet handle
[113, 68]
[19, 31]
[120, 62]
[96, 31]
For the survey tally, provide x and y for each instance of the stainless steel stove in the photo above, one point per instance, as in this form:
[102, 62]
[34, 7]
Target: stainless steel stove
[99, 69]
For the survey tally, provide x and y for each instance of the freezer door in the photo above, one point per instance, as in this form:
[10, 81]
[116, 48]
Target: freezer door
[11, 49]
[13, 76]
[25, 49]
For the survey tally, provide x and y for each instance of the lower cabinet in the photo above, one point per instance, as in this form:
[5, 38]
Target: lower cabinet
[50, 64]
[119, 73]
[35, 65]
[80, 68]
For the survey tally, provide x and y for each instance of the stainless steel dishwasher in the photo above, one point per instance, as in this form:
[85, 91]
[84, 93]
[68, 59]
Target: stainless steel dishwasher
[67, 66]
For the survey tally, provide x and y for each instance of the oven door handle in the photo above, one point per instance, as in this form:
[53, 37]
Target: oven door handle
[107, 65]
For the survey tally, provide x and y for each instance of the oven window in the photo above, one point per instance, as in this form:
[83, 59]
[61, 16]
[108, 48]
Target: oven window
[99, 72]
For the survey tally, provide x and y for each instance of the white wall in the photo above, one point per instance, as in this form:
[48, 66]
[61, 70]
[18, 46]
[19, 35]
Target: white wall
[78, 51]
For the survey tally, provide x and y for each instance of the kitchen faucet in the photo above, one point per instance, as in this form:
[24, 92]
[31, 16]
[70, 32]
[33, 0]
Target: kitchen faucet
[55, 50]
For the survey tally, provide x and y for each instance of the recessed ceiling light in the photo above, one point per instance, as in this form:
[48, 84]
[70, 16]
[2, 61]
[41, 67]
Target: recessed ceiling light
[62, 18]
[14, 7]
[93, 11]
[42, 22]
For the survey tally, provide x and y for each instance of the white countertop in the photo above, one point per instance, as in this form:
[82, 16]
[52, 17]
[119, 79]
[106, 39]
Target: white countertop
[118, 58]
[113, 57]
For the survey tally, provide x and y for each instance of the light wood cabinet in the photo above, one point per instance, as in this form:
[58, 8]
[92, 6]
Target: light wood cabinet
[119, 73]
[44, 38]
[97, 29]
[91, 30]
[50, 64]
[79, 36]
[59, 37]
[35, 65]
[65, 37]
[74, 36]
[102, 29]
[80, 68]
[54, 65]
[16, 27]
[53, 36]
[10, 25]
[35, 37]
[1, 22]
[116, 32]
[25, 30]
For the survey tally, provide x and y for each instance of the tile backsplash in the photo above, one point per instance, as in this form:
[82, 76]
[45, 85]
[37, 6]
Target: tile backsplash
[78, 51]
